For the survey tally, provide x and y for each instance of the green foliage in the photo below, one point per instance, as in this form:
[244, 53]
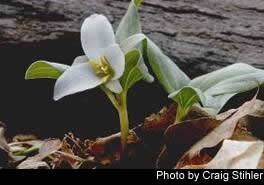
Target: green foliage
[171, 77]
[44, 69]
[138, 2]
[129, 34]
[132, 74]
[130, 23]
[220, 86]
[216, 88]
[185, 99]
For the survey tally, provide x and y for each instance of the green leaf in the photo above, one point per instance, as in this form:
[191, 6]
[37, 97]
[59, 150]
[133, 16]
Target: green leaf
[128, 35]
[222, 92]
[185, 99]
[187, 96]
[221, 85]
[138, 2]
[237, 84]
[130, 23]
[207, 81]
[145, 72]
[44, 69]
[132, 42]
[132, 73]
[171, 77]
[134, 76]
[216, 103]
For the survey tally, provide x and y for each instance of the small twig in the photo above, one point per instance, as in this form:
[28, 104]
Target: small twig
[67, 136]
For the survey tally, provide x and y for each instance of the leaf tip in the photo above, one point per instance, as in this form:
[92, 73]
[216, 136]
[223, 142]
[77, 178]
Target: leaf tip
[30, 70]
[138, 2]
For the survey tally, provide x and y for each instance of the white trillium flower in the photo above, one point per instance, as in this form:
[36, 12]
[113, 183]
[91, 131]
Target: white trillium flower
[103, 63]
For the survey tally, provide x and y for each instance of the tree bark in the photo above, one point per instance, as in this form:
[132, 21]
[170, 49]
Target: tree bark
[200, 36]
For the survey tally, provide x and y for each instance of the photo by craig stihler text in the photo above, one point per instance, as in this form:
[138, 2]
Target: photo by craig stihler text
[208, 175]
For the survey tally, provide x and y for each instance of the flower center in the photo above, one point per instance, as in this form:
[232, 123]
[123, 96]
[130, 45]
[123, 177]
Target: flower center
[102, 68]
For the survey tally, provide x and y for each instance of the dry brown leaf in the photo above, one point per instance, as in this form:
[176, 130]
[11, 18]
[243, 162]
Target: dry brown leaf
[226, 114]
[48, 147]
[187, 139]
[33, 165]
[223, 131]
[255, 121]
[74, 161]
[159, 122]
[3, 144]
[234, 155]
[24, 137]
[180, 137]
[4, 148]
[66, 154]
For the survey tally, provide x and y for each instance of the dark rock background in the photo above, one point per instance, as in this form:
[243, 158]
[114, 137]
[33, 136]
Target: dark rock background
[200, 36]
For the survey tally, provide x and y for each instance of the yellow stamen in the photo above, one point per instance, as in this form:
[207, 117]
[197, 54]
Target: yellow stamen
[102, 68]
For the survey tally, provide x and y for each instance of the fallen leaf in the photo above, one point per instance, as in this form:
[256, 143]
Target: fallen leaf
[181, 136]
[226, 114]
[4, 148]
[234, 155]
[74, 161]
[48, 147]
[3, 143]
[24, 137]
[223, 131]
[186, 140]
[159, 122]
[66, 154]
[255, 121]
[33, 165]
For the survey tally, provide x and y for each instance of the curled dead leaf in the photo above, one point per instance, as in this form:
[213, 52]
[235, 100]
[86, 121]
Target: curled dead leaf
[3, 143]
[189, 143]
[48, 147]
[4, 148]
[234, 155]
[181, 136]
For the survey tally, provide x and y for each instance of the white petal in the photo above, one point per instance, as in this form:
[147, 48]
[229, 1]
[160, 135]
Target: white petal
[114, 86]
[116, 59]
[96, 35]
[60, 67]
[80, 60]
[76, 79]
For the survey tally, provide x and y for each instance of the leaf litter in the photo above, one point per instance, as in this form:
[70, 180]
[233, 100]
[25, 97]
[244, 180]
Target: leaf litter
[220, 142]
[201, 141]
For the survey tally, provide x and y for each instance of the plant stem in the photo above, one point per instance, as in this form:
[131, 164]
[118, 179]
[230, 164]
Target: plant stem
[111, 97]
[120, 103]
[180, 115]
[124, 123]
